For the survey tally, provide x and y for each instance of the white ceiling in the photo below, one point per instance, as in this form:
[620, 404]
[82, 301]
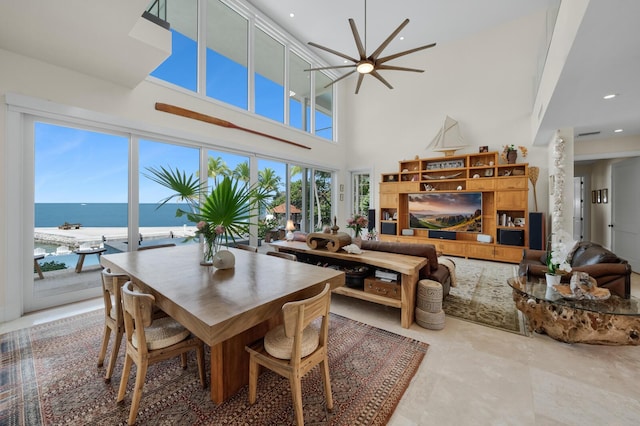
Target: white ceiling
[99, 38]
[605, 57]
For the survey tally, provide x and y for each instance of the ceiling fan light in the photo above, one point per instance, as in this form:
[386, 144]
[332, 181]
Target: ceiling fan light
[364, 67]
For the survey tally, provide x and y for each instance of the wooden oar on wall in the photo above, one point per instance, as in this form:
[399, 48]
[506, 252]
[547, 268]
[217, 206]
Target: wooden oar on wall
[183, 112]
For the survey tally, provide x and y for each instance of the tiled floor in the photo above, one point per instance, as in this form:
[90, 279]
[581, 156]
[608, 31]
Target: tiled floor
[474, 375]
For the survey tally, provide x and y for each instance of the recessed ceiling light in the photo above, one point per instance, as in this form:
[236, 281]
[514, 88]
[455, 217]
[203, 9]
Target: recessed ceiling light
[401, 38]
[617, 131]
[611, 96]
[292, 15]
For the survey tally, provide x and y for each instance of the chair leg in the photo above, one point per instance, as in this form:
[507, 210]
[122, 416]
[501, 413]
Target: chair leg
[201, 369]
[126, 369]
[324, 366]
[137, 392]
[183, 360]
[296, 394]
[103, 348]
[114, 356]
[254, 369]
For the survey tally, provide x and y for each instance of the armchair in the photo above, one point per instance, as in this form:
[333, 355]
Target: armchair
[605, 267]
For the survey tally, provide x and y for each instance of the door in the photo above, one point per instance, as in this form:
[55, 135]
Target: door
[625, 198]
[578, 208]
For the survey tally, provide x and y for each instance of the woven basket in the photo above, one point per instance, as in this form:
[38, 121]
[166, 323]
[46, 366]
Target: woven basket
[429, 296]
[430, 320]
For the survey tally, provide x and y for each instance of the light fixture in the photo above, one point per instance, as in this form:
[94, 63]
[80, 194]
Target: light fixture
[290, 227]
[364, 67]
[617, 131]
[611, 96]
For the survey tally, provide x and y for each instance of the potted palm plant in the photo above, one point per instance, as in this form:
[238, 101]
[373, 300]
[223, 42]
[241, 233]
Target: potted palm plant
[221, 215]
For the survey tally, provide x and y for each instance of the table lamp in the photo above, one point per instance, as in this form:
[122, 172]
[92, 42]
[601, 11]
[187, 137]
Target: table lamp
[290, 227]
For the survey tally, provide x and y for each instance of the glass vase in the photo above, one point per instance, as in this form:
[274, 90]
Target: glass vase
[207, 250]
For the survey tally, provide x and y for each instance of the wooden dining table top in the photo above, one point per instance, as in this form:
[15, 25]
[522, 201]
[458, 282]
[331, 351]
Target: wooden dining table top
[218, 304]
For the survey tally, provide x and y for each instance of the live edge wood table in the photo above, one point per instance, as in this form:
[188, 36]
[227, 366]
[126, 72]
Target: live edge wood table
[225, 308]
[615, 321]
[408, 266]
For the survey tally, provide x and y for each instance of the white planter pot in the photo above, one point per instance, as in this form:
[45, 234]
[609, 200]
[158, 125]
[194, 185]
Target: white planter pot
[552, 279]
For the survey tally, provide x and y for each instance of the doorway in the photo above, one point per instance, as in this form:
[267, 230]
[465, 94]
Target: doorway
[624, 196]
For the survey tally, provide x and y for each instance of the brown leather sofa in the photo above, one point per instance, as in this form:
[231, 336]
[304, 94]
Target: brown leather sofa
[605, 267]
[432, 270]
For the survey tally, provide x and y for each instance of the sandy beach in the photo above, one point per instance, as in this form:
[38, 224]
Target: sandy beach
[97, 235]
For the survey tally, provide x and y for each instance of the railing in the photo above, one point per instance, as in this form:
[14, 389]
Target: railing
[157, 13]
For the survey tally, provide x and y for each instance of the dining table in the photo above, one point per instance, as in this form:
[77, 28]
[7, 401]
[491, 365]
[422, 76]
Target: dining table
[226, 308]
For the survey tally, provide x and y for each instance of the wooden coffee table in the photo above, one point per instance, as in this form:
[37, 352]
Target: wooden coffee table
[615, 321]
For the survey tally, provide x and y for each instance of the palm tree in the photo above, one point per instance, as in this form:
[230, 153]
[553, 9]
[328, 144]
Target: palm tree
[268, 179]
[242, 172]
[217, 167]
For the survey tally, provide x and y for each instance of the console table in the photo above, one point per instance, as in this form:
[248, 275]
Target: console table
[408, 266]
[615, 321]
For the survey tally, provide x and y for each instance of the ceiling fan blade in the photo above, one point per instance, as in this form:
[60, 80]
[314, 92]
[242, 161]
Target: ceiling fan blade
[340, 78]
[358, 40]
[406, 52]
[335, 52]
[385, 43]
[391, 67]
[330, 68]
[379, 77]
[360, 78]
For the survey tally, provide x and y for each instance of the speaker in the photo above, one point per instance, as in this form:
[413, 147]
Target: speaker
[388, 228]
[536, 231]
[442, 235]
[511, 237]
[372, 219]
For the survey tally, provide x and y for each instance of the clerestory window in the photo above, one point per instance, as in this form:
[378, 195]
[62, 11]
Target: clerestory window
[246, 65]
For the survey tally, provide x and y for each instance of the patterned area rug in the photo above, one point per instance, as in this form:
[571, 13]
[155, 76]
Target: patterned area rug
[48, 376]
[483, 296]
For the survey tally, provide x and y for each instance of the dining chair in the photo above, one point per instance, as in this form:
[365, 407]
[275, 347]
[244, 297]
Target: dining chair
[247, 247]
[294, 348]
[150, 341]
[113, 318]
[288, 256]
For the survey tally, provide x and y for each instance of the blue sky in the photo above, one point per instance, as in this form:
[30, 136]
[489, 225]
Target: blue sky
[81, 166]
[73, 165]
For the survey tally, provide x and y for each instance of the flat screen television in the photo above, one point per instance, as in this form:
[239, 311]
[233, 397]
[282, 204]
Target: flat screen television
[446, 211]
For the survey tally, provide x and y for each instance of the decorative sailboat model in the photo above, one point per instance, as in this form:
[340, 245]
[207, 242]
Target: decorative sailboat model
[448, 139]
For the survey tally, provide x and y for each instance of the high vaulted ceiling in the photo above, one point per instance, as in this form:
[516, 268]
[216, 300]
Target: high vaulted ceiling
[100, 38]
[605, 57]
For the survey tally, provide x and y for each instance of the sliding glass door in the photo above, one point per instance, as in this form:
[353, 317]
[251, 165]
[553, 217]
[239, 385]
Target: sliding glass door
[80, 198]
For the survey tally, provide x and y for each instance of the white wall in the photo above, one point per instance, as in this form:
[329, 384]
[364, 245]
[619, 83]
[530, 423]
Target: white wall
[485, 82]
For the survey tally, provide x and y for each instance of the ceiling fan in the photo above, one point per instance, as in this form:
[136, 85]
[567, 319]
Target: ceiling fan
[373, 63]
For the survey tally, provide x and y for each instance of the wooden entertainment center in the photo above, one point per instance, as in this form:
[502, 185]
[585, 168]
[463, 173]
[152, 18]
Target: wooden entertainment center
[505, 196]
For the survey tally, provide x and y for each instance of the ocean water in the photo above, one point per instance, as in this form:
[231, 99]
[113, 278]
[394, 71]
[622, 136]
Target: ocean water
[106, 214]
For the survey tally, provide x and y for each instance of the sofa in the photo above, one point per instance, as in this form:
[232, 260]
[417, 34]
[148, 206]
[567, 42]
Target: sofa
[432, 270]
[605, 267]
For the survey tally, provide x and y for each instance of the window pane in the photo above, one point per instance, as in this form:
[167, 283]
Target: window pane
[81, 181]
[272, 177]
[324, 107]
[181, 67]
[227, 54]
[360, 201]
[159, 225]
[322, 190]
[269, 78]
[300, 91]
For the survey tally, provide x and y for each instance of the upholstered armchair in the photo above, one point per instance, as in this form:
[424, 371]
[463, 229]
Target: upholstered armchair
[605, 267]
